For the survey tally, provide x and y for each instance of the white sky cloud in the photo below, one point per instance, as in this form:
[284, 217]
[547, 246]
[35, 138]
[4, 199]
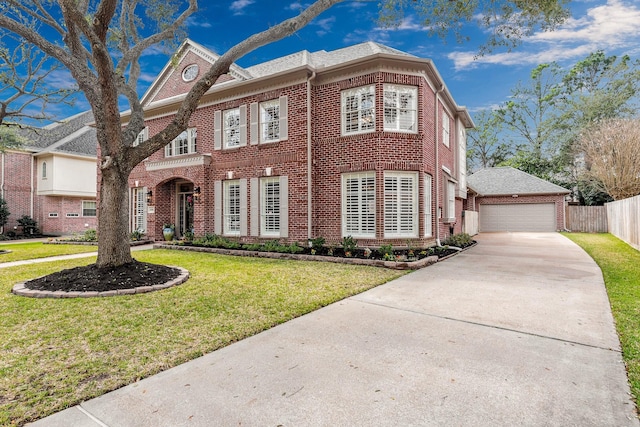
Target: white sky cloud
[238, 6]
[610, 26]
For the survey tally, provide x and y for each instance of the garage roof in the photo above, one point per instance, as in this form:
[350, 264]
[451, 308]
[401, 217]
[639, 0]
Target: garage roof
[503, 181]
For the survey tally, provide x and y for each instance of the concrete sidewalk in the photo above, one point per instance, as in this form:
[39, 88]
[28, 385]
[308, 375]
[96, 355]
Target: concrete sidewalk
[515, 331]
[64, 257]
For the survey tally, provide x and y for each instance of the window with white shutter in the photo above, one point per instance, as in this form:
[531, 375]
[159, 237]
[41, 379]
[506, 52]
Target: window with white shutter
[270, 207]
[231, 207]
[400, 204]
[359, 205]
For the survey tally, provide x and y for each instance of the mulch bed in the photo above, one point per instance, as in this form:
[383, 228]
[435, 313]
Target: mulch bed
[90, 278]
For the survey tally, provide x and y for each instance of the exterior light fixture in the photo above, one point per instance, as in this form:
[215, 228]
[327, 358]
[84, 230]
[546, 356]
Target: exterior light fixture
[149, 194]
[196, 193]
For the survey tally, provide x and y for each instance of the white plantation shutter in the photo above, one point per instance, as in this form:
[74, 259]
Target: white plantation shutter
[217, 130]
[428, 216]
[284, 206]
[254, 121]
[255, 207]
[243, 125]
[400, 204]
[217, 207]
[358, 205]
[243, 207]
[284, 131]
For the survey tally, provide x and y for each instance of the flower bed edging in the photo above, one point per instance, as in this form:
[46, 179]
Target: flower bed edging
[21, 290]
[396, 265]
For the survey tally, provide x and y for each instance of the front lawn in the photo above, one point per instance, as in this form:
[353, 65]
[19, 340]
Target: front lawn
[31, 250]
[55, 353]
[620, 265]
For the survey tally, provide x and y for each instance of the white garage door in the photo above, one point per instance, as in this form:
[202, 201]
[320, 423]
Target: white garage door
[518, 217]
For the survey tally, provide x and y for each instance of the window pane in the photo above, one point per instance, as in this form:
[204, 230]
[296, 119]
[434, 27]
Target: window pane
[270, 206]
[358, 109]
[232, 128]
[270, 120]
[232, 207]
[400, 207]
[88, 208]
[359, 204]
[400, 108]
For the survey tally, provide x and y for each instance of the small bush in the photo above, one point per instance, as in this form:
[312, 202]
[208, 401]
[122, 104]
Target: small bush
[90, 235]
[317, 244]
[136, 235]
[29, 225]
[461, 240]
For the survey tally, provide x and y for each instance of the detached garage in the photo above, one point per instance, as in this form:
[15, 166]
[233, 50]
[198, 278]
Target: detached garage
[508, 199]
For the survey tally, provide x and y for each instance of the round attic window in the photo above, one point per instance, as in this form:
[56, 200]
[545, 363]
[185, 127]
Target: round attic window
[190, 72]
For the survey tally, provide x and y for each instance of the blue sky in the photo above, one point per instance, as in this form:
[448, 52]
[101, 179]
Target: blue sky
[477, 83]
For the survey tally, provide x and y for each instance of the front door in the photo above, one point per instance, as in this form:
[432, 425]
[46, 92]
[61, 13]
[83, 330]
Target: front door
[184, 213]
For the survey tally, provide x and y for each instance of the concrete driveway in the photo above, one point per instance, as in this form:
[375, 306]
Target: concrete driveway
[515, 331]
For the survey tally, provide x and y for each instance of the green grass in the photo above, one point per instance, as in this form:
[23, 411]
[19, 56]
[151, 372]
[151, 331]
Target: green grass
[31, 250]
[55, 353]
[620, 265]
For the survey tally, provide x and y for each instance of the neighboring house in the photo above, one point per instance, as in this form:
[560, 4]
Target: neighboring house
[52, 178]
[508, 199]
[364, 141]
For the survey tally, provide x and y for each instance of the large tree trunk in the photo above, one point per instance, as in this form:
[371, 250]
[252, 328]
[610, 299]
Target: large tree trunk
[113, 223]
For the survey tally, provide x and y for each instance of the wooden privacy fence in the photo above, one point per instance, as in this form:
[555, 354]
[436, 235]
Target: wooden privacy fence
[587, 219]
[470, 223]
[624, 220]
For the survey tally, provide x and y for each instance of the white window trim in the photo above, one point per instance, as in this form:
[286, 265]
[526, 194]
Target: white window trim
[369, 115]
[399, 198]
[171, 148]
[362, 198]
[394, 91]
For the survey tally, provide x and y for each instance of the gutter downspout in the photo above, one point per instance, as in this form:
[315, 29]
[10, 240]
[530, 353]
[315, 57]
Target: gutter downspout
[309, 160]
[32, 189]
[438, 168]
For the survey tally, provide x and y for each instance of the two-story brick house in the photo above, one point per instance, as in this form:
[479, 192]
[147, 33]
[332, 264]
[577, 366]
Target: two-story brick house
[52, 177]
[364, 141]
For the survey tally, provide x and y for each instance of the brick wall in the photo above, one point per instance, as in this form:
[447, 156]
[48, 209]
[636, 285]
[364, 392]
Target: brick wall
[332, 156]
[16, 186]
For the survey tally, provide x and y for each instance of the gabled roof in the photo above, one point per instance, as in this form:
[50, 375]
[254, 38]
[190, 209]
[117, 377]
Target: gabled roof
[69, 136]
[186, 47]
[507, 181]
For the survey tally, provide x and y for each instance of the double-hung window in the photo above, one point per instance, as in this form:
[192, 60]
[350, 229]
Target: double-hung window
[231, 128]
[138, 209]
[400, 204]
[400, 108]
[359, 204]
[231, 205]
[185, 143]
[88, 208]
[270, 207]
[446, 129]
[270, 121]
[358, 110]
